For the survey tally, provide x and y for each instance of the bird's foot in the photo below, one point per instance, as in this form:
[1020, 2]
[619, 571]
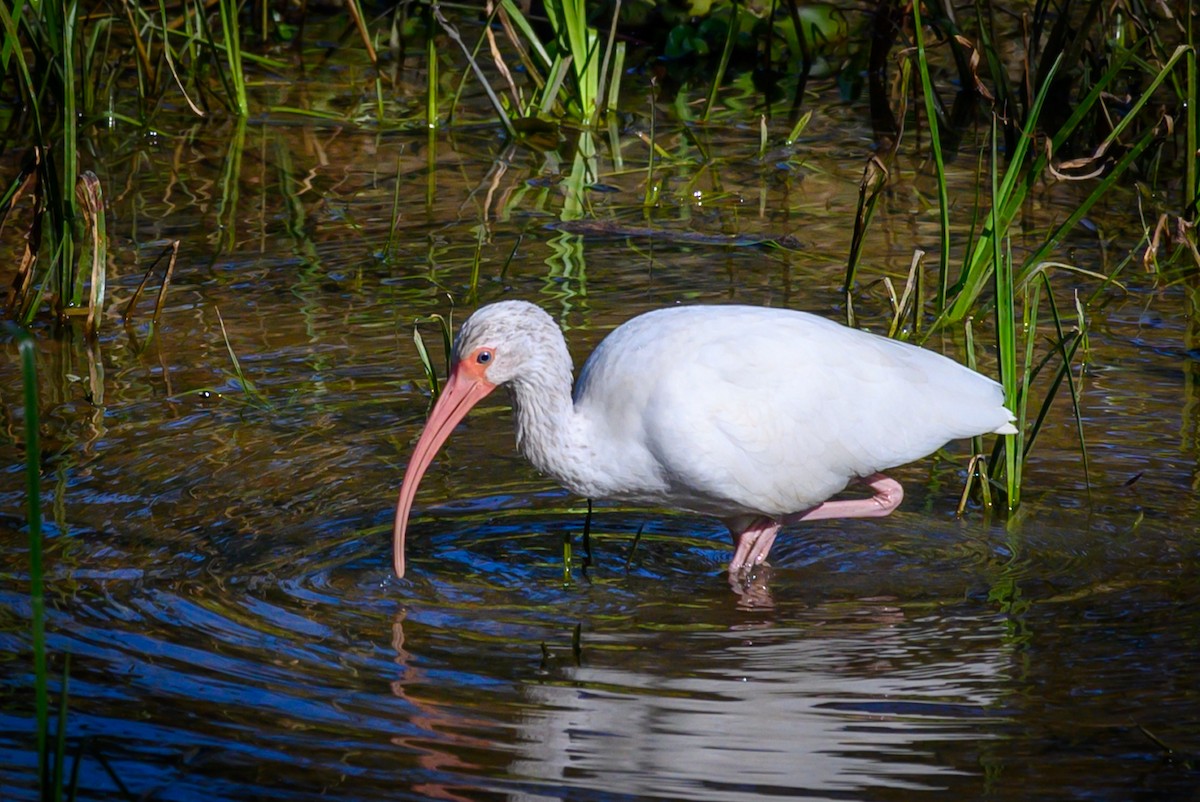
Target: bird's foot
[752, 544]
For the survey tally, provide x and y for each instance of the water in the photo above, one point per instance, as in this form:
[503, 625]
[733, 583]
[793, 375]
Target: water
[219, 543]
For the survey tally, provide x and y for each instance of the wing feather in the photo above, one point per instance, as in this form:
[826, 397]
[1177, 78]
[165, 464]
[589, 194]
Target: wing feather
[774, 411]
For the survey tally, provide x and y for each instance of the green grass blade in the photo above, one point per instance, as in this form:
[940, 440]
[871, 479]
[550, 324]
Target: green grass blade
[735, 20]
[446, 326]
[1098, 192]
[1006, 338]
[969, 346]
[799, 127]
[12, 37]
[1023, 438]
[1012, 194]
[1066, 371]
[527, 31]
[604, 92]
[1068, 354]
[554, 81]
[566, 571]
[1005, 202]
[431, 76]
[427, 364]
[935, 145]
[582, 44]
[233, 55]
[205, 30]
[1191, 121]
[1145, 96]
[248, 387]
[618, 69]
[71, 279]
[11, 42]
[37, 593]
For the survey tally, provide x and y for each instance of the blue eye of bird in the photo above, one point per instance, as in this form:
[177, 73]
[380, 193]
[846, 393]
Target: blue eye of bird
[484, 357]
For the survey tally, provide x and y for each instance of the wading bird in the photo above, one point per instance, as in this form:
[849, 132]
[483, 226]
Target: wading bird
[755, 416]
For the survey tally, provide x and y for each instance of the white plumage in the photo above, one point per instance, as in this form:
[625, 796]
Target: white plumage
[756, 416]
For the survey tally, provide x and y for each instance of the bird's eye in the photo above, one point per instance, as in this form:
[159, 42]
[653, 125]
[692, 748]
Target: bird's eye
[483, 357]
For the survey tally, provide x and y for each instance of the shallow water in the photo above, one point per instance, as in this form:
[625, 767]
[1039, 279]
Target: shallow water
[219, 552]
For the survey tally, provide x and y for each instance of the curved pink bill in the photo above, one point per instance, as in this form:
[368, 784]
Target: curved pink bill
[463, 390]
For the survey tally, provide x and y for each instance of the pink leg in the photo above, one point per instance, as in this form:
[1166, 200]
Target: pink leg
[888, 495]
[753, 543]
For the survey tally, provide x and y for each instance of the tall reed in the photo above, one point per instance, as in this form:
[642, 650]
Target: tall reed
[37, 591]
[573, 76]
[49, 31]
[232, 40]
[581, 43]
[990, 279]
[50, 741]
[1027, 166]
[935, 147]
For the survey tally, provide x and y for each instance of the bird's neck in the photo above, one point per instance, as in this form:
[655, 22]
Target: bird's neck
[551, 434]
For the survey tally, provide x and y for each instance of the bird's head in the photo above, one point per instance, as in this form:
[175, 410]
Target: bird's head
[502, 342]
[499, 344]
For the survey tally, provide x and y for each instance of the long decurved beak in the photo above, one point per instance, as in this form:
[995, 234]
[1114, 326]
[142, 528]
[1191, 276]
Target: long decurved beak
[463, 390]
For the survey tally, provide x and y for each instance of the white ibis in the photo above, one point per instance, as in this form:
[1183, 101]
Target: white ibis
[755, 416]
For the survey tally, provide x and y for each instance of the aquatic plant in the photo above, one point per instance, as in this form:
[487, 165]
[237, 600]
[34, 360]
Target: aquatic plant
[1030, 131]
[49, 176]
[446, 328]
[572, 77]
[253, 395]
[50, 737]
[160, 299]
